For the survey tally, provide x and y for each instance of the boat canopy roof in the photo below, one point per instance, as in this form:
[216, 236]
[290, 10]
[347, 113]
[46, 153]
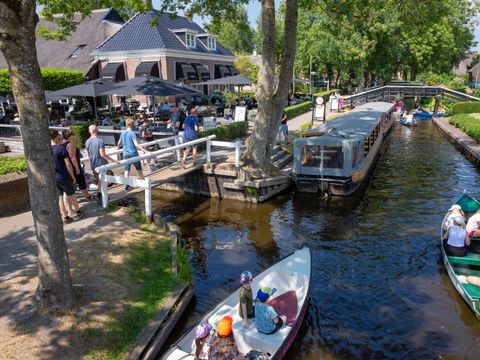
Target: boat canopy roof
[359, 121]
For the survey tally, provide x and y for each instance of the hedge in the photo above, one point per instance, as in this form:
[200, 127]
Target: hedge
[54, 79]
[298, 109]
[469, 124]
[9, 164]
[227, 132]
[466, 107]
[81, 135]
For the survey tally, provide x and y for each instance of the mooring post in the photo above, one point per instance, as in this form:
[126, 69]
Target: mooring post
[238, 145]
[209, 145]
[177, 142]
[148, 200]
[104, 187]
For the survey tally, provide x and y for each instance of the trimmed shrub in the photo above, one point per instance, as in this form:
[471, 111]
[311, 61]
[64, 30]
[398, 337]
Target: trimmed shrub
[81, 134]
[10, 164]
[298, 109]
[466, 107]
[54, 79]
[227, 132]
[468, 123]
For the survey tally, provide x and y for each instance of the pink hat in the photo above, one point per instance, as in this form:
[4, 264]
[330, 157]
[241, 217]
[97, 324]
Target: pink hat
[202, 330]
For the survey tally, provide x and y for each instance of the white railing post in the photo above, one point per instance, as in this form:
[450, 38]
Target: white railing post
[148, 200]
[104, 187]
[177, 142]
[209, 146]
[238, 145]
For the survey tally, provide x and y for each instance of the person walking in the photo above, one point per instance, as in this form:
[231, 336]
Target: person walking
[283, 129]
[97, 155]
[130, 150]
[75, 156]
[190, 127]
[65, 179]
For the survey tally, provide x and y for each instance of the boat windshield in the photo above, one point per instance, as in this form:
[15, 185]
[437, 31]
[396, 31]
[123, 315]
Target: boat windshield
[332, 156]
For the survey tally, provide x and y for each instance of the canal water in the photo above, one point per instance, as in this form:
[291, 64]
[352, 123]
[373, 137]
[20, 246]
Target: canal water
[379, 289]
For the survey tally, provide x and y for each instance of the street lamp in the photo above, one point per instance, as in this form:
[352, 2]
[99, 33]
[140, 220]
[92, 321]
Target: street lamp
[312, 73]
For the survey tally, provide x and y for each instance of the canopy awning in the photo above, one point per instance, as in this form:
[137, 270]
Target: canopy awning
[237, 80]
[147, 68]
[185, 71]
[114, 72]
[221, 71]
[150, 86]
[202, 71]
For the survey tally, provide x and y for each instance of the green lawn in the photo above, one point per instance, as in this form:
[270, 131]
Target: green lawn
[10, 164]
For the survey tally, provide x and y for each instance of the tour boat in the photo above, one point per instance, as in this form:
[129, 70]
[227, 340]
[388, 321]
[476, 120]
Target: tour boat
[291, 277]
[337, 156]
[408, 123]
[469, 265]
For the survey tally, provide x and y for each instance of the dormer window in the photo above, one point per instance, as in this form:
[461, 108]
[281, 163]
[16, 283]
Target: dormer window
[190, 40]
[77, 51]
[211, 43]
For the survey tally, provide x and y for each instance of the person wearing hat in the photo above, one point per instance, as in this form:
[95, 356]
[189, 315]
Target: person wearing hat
[456, 239]
[201, 344]
[266, 319]
[455, 210]
[223, 346]
[246, 310]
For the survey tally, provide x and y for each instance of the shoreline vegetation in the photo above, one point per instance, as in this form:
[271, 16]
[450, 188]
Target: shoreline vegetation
[122, 275]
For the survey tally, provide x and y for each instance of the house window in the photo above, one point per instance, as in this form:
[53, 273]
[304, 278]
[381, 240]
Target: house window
[211, 43]
[77, 51]
[190, 39]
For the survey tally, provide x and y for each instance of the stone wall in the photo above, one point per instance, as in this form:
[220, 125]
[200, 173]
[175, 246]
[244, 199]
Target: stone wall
[14, 195]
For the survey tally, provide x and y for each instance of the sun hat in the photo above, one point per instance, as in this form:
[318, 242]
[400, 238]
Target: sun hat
[245, 277]
[202, 330]
[224, 327]
[455, 207]
[264, 293]
[458, 220]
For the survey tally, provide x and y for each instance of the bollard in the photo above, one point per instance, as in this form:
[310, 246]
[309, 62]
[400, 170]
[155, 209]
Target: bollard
[148, 200]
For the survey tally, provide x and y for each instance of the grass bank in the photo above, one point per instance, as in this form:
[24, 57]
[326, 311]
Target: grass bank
[468, 123]
[12, 164]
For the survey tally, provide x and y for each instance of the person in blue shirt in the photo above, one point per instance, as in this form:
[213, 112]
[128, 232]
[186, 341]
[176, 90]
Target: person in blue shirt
[190, 127]
[266, 319]
[130, 150]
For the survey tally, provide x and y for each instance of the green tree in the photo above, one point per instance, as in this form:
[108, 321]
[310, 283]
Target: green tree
[234, 33]
[246, 67]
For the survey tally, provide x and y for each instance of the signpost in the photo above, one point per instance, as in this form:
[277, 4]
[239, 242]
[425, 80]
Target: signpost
[319, 110]
[240, 113]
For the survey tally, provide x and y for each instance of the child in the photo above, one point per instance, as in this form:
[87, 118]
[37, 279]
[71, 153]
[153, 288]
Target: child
[201, 344]
[455, 210]
[266, 318]
[246, 310]
[223, 346]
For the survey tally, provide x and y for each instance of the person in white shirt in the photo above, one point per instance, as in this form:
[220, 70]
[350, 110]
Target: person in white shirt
[473, 225]
[455, 239]
[455, 210]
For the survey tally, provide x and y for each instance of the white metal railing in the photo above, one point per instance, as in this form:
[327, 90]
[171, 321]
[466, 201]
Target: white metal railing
[145, 183]
[237, 145]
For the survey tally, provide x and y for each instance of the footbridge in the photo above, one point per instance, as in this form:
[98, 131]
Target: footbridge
[387, 92]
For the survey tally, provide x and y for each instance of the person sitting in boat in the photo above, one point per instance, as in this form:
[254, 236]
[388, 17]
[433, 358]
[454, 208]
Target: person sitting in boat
[223, 346]
[474, 280]
[201, 344]
[455, 210]
[246, 310]
[456, 239]
[266, 319]
[473, 225]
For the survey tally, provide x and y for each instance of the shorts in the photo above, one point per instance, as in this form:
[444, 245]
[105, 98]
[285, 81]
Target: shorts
[283, 129]
[97, 176]
[137, 164]
[80, 178]
[472, 233]
[66, 186]
[278, 326]
[191, 139]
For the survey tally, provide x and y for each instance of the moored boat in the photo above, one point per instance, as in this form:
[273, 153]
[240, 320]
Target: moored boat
[336, 157]
[458, 267]
[291, 277]
[421, 114]
[405, 122]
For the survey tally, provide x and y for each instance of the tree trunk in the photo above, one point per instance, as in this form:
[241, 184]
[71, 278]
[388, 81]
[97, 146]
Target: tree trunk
[17, 43]
[259, 145]
[413, 73]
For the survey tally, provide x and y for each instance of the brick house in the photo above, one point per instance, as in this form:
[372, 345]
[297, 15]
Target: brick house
[174, 48]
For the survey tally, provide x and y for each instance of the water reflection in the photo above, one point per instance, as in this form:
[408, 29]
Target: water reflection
[379, 289]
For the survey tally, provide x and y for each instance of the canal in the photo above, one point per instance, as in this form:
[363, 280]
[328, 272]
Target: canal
[379, 289]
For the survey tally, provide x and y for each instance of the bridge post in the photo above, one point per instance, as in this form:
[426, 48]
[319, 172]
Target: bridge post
[437, 104]
[238, 145]
[104, 187]
[148, 200]
[177, 142]
[209, 146]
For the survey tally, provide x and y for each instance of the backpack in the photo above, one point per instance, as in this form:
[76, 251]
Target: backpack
[256, 355]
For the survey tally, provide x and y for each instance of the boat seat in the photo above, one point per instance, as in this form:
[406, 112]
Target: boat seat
[469, 259]
[472, 290]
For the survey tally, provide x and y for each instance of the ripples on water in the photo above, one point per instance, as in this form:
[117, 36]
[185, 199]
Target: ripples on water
[378, 288]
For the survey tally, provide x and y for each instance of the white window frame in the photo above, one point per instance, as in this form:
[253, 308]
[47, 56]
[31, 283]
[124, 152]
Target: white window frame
[190, 40]
[211, 43]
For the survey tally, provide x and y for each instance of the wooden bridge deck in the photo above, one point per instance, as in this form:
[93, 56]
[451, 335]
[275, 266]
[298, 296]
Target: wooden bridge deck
[161, 176]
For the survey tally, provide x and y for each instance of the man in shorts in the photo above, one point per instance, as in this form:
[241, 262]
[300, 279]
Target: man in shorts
[283, 129]
[65, 179]
[190, 127]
